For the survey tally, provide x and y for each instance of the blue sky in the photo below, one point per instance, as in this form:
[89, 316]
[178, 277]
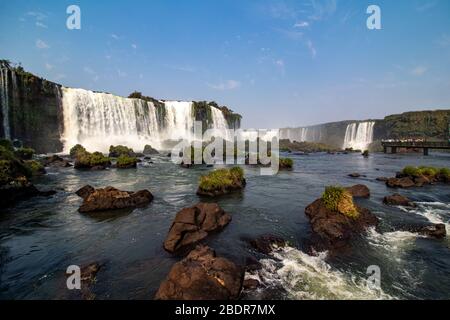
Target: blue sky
[278, 63]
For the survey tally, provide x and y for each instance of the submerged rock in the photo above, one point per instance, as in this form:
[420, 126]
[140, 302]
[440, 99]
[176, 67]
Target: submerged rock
[192, 225]
[55, 161]
[149, 150]
[405, 182]
[359, 191]
[250, 284]
[382, 179]
[398, 200]
[266, 243]
[18, 190]
[202, 276]
[111, 198]
[437, 231]
[355, 175]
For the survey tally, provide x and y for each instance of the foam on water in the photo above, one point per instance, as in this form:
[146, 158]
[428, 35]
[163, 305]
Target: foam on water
[311, 277]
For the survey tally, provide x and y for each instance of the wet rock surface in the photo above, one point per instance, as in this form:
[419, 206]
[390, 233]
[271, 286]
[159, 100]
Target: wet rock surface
[193, 224]
[202, 276]
[110, 198]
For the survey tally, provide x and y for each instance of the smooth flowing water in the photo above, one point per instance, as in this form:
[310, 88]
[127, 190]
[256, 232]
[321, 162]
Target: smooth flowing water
[41, 237]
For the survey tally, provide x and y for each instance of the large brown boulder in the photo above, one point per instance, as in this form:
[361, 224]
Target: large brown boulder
[398, 200]
[333, 229]
[111, 198]
[359, 191]
[192, 225]
[405, 182]
[202, 276]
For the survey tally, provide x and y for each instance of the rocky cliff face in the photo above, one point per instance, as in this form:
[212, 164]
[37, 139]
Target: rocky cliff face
[31, 109]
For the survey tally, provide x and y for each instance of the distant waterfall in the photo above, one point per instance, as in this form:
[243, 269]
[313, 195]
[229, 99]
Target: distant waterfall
[359, 135]
[307, 134]
[98, 120]
[4, 99]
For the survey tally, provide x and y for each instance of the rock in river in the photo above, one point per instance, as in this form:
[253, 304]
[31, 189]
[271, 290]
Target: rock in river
[405, 182]
[192, 225]
[398, 200]
[333, 229]
[359, 191]
[202, 276]
[111, 198]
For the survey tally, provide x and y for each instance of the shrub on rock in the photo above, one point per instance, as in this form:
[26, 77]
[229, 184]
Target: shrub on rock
[117, 151]
[126, 162]
[24, 153]
[221, 181]
[286, 164]
[96, 160]
[77, 149]
[341, 200]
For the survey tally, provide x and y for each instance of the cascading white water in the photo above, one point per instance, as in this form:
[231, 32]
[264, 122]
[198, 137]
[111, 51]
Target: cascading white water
[359, 135]
[98, 120]
[219, 124]
[5, 100]
[305, 134]
[179, 121]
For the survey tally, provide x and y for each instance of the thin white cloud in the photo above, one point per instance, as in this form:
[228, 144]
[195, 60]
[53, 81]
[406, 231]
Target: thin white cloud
[41, 25]
[134, 46]
[115, 36]
[40, 44]
[48, 66]
[419, 70]
[301, 24]
[37, 15]
[227, 85]
[426, 6]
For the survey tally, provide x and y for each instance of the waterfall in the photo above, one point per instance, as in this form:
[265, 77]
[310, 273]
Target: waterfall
[305, 134]
[179, 121]
[4, 93]
[359, 135]
[98, 120]
[219, 123]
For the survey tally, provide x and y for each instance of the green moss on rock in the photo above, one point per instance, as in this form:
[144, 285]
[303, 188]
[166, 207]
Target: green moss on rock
[76, 149]
[221, 181]
[24, 153]
[117, 151]
[126, 162]
[339, 199]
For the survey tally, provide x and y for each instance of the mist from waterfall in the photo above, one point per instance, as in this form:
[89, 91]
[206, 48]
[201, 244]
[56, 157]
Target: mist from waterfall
[359, 136]
[98, 120]
[4, 99]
